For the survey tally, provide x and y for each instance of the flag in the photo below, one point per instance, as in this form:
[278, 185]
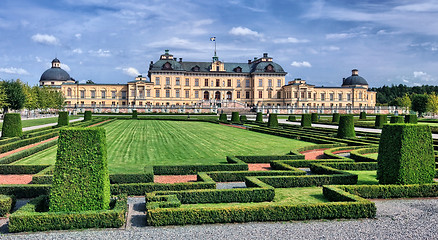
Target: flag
[213, 39]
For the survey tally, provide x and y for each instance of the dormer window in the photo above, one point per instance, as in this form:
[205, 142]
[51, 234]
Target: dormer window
[269, 68]
[167, 66]
[238, 69]
[195, 69]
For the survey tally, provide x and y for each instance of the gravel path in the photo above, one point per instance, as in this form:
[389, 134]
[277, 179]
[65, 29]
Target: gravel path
[396, 219]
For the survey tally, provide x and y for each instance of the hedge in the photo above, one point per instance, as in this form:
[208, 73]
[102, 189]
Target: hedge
[87, 116]
[134, 114]
[7, 203]
[146, 177]
[259, 117]
[358, 154]
[25, 190]
[396, 119]
[223, 117]
[306, 120]
[336, 117]
[239, 176]
[351, 166]
[24, 142]
[12, 125]
[406, 155]
[291, 118]
[292, 164]
[139, 189]
[411, 118]
[21, 169]
[380, 120]
[81, 166]
[234, 164]
[63, 119]
[363, 116]
[9, 140]
[243, 118]
[34, 217]
[235, 117]
[273, 120]
[346, 127]
[314, 117]
[393, 191]
[27, 152]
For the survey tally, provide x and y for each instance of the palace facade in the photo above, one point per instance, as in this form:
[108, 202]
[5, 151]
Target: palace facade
[174, 82]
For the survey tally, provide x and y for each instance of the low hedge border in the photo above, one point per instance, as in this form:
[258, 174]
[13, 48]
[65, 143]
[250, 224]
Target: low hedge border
[358, 154]
[163, 201]
[25, 190]
[393, 191]
[239, 176]
[8, 140]
[329, 152]
[352, 166]
[24, 142]
[21, 169]
[27, 152]
[292, 164]
[7, 203]
[269, 158]
[317, 146]
[32, 217]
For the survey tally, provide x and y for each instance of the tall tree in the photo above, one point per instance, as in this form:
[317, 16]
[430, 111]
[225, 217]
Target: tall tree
[31, 102]
[3, 97]
[432, 103]
[15, 95]
[419, 103]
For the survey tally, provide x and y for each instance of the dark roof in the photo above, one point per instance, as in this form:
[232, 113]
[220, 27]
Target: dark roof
[55, 74]
[56, 60]
[354, 80]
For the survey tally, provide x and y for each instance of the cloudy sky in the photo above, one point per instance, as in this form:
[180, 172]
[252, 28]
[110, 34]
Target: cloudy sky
[111, 41]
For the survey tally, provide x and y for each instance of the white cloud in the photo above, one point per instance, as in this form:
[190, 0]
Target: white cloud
[301, 64]
[331, 48]
[45, 39]
[38, 59]
[290, 40]
[419, 74]
[339, 35]
[12, 70]
[418, 7]
[130, 71]
[173, 42]
[77, 50]
[100, 53]
[243, 31]
[78, 35]
[65, 67]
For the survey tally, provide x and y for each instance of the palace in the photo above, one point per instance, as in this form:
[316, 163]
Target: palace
[174, 82]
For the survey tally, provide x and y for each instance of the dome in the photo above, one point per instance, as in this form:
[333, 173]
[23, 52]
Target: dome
[55, 73]
[354, 79]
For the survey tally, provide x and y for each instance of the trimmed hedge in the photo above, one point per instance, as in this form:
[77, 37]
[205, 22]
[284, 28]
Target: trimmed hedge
[139, 189]
[87, 116]
[34, 217]
[223, 117]
[24, 142]
[146, 177]
[21, 169]
[336, 117]
[7, 203]
[406, 155]
[235, 117]
[259, 117]
[380, 120]
[27, 152]
[411, 118]
[243, 118]
[363, 116]
[239, 176]
[81, 167]
[234, 164]
[396, 119]
[306, 120]
[291, 118]
[12, 125]
[358, 154]
[393, 191]
[134, 114]
[273, 121]
[314, 117]
[346, 127]
[25, 190]
[63, 119]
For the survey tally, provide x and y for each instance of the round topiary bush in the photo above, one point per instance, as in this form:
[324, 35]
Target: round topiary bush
[346, 127]
[259, 117]
[314, 117]
[63, 119]
[336, 117]
[363, 116]
[291, 118]
[380, 120]
[134, 114]
[235, 117]
[243, 118]
[306, 120]
[87, 116]
[411, 118]
[223, 117]
[273, 121]
[12, 125]
[396, 119]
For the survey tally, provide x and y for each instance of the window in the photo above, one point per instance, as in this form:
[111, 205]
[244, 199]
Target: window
[247, 83]
[278, 94]
[132, 93]
[206, 82]
[167, 80]
[69, 92]
[113, 103]
[331, 96]
[238, 94]
[177, 93]
[157, 93]
[82, 93]
[278, 82]
[238, 82]
[93, 104]
[340, 96]
[270, 94]
[187, 93]
[218, 83]
[314, 97]
[360, 95]
[157, 81]
[288, 94]
[167, 93]
[269, 82]
[295, 94]
[141, 93]
[187, 82]
[260, 83]
[103, 94]
[260, 94]
[196, 82]
[93, 93]
[303, 95]
[229, 83]
[348, 97]
[177, 81]
[103, 103]
[123, 94]
[322, 96]
[247, 95]
[196, 94]
[309, 95]
[113, 94]
[148, 93]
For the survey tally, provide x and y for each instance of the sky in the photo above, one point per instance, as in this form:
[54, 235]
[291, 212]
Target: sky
[112, 41]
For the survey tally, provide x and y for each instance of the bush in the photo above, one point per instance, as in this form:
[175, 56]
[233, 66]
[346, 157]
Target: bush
[12, 125]
[346, 127]
[63, 119]
[259, 117]
[405, 155]
[336, 117]
[24, 142]
[363, 116]
[21, 169]
[315, 117]
[235, 117]
[393, 191]
[81, 167]
[380, 120]
[24, 190]
[7, 203]
[306, 120]
[273, 121]
[87, 116]
[234, 164]
[243, 118]
[291, 118]
[134, 114]
[411, 118]
[223, 117]
[396, 119]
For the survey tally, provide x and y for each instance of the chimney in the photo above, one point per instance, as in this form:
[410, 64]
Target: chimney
[180, 59]
[265, 55]
[354, 72]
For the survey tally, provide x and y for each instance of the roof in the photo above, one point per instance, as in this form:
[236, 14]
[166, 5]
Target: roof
[55, 74]
[354, 80]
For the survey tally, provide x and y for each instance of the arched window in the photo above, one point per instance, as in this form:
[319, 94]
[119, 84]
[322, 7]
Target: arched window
[206, 95]
[69, 92]
[229, 95]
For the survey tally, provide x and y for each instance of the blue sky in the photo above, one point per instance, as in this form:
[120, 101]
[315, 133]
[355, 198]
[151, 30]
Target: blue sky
[390, 42]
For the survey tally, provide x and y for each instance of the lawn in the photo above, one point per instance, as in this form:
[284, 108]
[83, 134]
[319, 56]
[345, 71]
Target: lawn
[366, 177]
[40, 121]
[133, 144]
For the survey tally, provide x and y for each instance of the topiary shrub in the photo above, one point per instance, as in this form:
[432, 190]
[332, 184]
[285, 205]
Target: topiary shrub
[380, 120]
[235, 117]
[63, 119]
[346, 127]
[396, 119]
[314, 117]
[405, 155]
[363, 116]
[291, 118]
[243, 118]
[87, 116]
[273, 121]
[12, 125]
[223, 117]
[336, 117]
[259, 117]
[7, 203]
[411, 118]
[306, 120]
[134, 114]
[81, 180]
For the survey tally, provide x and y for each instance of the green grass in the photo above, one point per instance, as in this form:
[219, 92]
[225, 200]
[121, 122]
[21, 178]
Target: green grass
[366, 177]
[372, 155]
[40, 121]
[133, 144]
[306, 195]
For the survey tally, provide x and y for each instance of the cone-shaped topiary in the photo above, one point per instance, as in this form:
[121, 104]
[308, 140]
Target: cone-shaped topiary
[134, 114]
[411, 118]
[87, 116]
[380, 120]
[306, 120]
[12, 125]
[63, 119]
[291, 118]
[314, 117]
[363, 116]
[223, 117]
[335, 117]
[396, 119]
[405, 155]
[243, 118]
[235, 117]
[273, 121]
[259, 117]
[346, 127]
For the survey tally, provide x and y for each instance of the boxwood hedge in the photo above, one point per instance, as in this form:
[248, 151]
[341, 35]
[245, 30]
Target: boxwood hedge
[396, 119]
[223, 117]
[7, 203]
[12, 125]
[346, 127]
[306, 120]
[363, 116]
[235, 117]
[134, 114]
[273, 121]
[291, 118]
[314, 117]
[87, 116]
[380, 120]
[336, 117]
[259, 117]
[63, 119]
[411, 118]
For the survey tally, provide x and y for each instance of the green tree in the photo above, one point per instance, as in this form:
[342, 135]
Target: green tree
[405, 101]
[3, 97]
[15, 95]
[419, 103]
[432, 103]
[31, 102]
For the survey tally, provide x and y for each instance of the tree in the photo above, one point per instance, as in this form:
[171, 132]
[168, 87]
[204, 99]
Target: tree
[419, 103]
[405, 101]
[15, 94]
[31, 102]
[3, 97]
[89, 82]
[432, 103]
